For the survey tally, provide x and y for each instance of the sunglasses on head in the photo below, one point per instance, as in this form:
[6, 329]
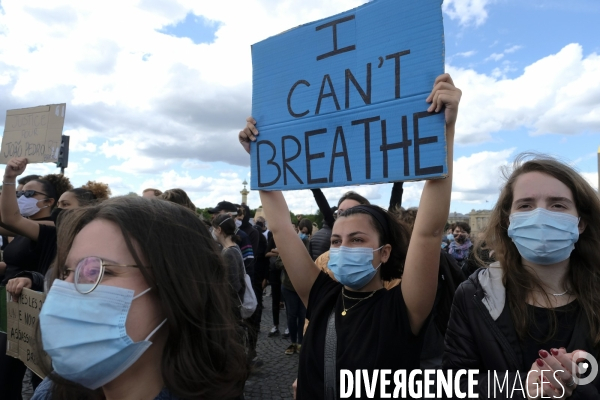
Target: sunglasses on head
[29, 193]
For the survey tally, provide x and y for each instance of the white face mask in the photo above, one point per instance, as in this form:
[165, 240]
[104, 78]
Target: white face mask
[28, 206]
[238, 223]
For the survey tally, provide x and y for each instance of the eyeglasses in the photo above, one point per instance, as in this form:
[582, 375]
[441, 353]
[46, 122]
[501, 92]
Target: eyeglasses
[89, 273]
[29, 193]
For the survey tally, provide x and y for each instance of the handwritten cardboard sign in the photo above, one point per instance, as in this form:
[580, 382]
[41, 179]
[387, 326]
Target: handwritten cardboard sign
[341, 101]
[21, 323]
[34, 133]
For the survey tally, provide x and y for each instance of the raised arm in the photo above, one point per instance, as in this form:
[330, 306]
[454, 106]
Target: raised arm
[419, 281]
[323, 206]
[396, 196]
[9, 208]
[299, 265]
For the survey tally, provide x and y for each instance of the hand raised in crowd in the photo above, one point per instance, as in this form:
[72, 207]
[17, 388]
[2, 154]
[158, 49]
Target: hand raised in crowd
[15, 167]
[248, 134]
[552, 375]
[445, 94]
[16, 285]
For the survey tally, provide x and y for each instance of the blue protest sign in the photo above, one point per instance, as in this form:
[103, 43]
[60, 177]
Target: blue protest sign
[341, 101]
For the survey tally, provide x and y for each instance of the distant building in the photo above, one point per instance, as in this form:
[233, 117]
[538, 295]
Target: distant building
[244, 193]
[455, 217]
[479, 220]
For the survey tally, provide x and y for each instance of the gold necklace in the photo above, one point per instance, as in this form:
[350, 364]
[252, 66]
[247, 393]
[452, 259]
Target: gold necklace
[351, 307]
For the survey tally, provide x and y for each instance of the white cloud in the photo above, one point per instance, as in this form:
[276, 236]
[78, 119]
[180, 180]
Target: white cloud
[477, 178]
[557, 94]
[512, 49]
[592, 178]
[495, 57]
[466, 54]
[467, 12]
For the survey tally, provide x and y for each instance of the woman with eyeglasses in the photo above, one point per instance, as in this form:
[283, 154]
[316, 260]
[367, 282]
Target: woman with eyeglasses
[353, 322]
[26, 215]
[138, 308]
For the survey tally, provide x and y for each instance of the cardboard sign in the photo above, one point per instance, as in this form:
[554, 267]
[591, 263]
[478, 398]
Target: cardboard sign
[34, 133]
[22, 318]
[341, 101]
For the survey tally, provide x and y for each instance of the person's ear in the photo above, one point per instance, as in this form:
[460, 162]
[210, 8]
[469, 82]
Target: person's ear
[385, 252]
[582, 225]
[49, 202]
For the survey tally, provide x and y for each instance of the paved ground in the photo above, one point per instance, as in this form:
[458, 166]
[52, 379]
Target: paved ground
[274, 373]
[273, 379]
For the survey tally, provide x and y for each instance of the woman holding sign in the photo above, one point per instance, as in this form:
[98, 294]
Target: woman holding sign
[367, 246]
[27, 214]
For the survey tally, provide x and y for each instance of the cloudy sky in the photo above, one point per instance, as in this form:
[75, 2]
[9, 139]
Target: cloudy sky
[156, 90]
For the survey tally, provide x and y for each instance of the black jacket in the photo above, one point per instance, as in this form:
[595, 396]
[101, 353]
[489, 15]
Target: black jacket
[481, 335]
[320, 241]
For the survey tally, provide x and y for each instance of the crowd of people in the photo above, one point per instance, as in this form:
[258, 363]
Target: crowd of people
[146, 299]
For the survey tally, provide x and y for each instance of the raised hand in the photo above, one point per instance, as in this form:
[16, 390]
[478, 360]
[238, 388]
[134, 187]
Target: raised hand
[445, 94]
[248, 134]
[15, 167]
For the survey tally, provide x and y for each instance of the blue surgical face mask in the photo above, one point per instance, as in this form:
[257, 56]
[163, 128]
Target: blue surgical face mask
[85, 335]
[450, 237]
[544, 237]
[352, 266]
[302, 235]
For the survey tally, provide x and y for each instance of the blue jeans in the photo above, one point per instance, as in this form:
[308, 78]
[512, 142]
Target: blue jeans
[296, 314]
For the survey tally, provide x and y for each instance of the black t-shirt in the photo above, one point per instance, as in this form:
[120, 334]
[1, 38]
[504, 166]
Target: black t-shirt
[374, 334]
[539, 328]
[23, 254]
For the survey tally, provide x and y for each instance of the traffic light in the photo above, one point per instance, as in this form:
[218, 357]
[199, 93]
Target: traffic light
[63, 154]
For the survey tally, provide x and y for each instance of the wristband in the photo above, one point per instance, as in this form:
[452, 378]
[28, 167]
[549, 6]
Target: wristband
[9, 183]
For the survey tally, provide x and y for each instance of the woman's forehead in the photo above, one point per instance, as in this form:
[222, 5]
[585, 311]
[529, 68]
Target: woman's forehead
[33, 185]
[353, 223]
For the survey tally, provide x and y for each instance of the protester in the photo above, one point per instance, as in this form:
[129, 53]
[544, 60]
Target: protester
[538, 305]
[24, 180]
[348, 200]
[367, 319]
[225, 207]
[168, 290]
[151, 193]
[461, 246]
[89, 194]
[28, 218]
[320, 241]
[257, 274]
[262, 227]
[275, 283]
[178, 196]
[305, 229]
[294, 309]
[224, 233]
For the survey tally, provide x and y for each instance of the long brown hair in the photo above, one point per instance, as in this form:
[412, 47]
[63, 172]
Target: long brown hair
[203, 355]
[584, 269]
